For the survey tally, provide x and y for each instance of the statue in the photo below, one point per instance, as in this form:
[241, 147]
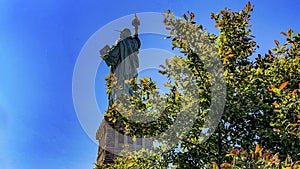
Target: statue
[123, 59]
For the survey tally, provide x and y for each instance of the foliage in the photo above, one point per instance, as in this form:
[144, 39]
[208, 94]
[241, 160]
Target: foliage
[136, 160]
[258, 158]
[262, 99]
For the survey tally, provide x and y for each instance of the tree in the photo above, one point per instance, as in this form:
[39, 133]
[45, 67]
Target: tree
[262, 96]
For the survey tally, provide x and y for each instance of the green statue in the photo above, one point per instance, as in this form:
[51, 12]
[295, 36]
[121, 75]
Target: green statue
[123, 59]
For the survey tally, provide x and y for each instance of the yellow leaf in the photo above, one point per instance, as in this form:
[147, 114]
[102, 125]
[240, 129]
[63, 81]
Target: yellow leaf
[283, 85]
[258, 148]
[113, 105]
[277, 111]
[215, 166]
[130, 165]
[258, 71]
[277, 43]
[283, 33]
[226, 72]
[250, 77]
[167, 62]
[294, 91]
[166, 84]
[275, 104]
[185, 17]
[252, 154]
[192, 15]
[231, 55]
[248, 6]
[290, 32]
[111, 73]
[291, 132]
[127, 81]
[225, 60]
[228, 52]
[168, 11]
[174, 43]
[176, 93]
[275, 158]
[224, 165]
[272, 88]
[293, 125]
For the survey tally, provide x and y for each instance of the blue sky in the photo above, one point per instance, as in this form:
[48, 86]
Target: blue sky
[40, 42]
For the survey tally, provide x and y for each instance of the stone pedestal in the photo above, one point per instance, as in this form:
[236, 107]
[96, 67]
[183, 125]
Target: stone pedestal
[112, 141]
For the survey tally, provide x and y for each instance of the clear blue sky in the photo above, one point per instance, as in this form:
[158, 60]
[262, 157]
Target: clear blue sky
[40, 42]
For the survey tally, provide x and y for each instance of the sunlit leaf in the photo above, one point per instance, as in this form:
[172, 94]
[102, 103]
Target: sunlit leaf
[224, 165]
[258, 148]
[283, 33]
[185, 17]
[168, 12]
[275, 104]
[290, 32]
[248, 6]
[277, 43]
[283, 85]
[192, 15]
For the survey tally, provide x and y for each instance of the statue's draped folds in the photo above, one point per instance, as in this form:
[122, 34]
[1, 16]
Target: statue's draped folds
[123, 60]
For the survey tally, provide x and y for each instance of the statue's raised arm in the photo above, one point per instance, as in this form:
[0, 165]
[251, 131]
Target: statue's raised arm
[122, 58]
[135, 24]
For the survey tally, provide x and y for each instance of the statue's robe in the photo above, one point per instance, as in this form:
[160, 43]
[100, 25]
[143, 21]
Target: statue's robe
[123, 60]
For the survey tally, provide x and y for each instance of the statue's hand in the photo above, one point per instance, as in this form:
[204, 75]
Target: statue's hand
[104, 51]
[135, 21]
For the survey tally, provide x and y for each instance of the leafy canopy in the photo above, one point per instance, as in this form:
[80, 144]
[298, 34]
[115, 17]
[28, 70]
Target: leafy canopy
[261, 107]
